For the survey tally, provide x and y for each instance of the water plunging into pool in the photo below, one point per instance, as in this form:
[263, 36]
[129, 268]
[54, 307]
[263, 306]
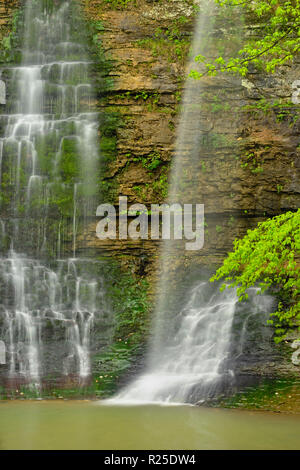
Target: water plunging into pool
[190, 352]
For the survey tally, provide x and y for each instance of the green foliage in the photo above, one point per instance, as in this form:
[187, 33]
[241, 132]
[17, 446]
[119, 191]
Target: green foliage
[8, 44]
[69, 164]
[152, 99]
[218, 105]
[272, 395]
[108, 145]
[98, 26]
[151, 162]
[114, 363]
[143, 95]
[119, 4]
[61, 199]
[218, 140]
[161, 185]
[110, 122]
[280, 109]
[203, 167]
[170, 42]
[278, 45]
[267, 256]
[28, 393]
[45, 146]
[138, 190]
[252, 162]
[279, 188]
[130, 304]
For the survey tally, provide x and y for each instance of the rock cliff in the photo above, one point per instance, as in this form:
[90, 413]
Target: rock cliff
[250, 167]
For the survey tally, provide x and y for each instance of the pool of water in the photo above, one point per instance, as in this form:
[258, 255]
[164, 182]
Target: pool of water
[91, 425]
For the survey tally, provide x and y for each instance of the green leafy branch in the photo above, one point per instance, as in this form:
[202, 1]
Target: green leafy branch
[268, 256]
[279, 45]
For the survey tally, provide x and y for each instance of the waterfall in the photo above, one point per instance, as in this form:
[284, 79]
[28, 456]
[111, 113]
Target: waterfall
[190, 352]
[49, 163]
[49, 148]
[194, 360]
[35, 298]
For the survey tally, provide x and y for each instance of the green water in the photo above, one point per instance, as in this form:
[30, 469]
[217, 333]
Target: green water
[89, 425]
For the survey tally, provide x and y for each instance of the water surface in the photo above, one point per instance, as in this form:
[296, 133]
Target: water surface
[89, 425]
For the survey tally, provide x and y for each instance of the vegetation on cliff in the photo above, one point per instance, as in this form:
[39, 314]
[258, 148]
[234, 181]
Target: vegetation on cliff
[277, 43]
[9, 39]
[268, 255]
[129, 296]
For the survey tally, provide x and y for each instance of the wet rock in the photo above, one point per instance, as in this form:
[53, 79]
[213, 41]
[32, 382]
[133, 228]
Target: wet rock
[296, 354]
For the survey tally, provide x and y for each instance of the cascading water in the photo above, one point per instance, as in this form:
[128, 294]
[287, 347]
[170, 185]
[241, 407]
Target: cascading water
[49, 148]
[48, 171]
[194, 360]
[190, 357]
[34, 298]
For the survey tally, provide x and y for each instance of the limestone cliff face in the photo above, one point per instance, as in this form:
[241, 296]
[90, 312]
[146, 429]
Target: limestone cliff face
[251, 164]
[250, 167]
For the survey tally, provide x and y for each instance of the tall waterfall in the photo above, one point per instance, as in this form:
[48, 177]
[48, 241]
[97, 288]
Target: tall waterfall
[194, 360]
[190, 353]
[49, 163]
